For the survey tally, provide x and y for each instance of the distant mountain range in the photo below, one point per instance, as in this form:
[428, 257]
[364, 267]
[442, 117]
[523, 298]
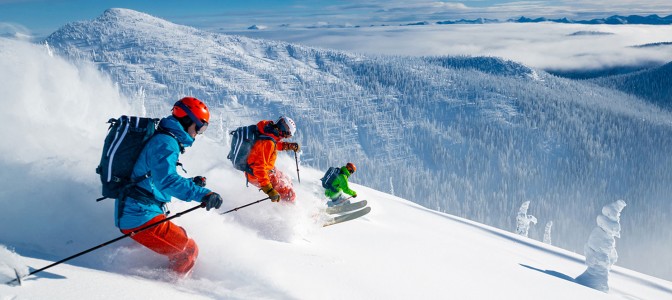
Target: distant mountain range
[613, 20]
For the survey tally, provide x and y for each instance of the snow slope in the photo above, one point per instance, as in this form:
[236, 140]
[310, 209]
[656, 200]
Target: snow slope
[399, 251]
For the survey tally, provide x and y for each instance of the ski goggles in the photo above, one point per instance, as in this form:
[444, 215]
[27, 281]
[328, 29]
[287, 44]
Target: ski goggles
[201, 129]
[201, 125]
[284, 130]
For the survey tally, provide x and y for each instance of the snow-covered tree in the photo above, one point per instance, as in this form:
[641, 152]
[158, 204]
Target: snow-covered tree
[391, 187]
[523, 219]
[49, 50]
[139, 101]
[600, 249]
[547, 232]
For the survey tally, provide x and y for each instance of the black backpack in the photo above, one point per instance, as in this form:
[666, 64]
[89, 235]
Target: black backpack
[329, 177]
[126, 137]
[242, 140]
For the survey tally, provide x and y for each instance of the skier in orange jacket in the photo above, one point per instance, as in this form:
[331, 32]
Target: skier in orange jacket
[261, 160]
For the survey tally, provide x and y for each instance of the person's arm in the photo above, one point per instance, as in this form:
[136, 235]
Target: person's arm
[164, 174]
[343, 185]
[259, 160]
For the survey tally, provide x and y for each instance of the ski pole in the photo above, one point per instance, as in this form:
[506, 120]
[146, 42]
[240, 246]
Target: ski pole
[108, 242]
[296, 158]
[246, 205]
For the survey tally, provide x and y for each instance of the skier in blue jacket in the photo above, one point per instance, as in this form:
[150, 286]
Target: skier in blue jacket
[145, 203]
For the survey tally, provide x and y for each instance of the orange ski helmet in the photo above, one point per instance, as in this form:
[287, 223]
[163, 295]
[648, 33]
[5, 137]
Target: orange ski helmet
[195, 109]
[351, 167]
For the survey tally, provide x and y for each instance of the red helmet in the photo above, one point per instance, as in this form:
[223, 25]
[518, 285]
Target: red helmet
[196, 110]
[351, 167]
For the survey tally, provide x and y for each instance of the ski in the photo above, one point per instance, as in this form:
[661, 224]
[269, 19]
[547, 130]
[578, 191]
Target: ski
[347, 217]
[345, 208]
[15, 281]
[18, 277]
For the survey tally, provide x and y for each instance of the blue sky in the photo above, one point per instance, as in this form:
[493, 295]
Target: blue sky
[41, 17]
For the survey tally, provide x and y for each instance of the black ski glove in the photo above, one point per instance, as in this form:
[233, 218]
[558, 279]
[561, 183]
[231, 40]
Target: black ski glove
[199, 181]
[211, 200]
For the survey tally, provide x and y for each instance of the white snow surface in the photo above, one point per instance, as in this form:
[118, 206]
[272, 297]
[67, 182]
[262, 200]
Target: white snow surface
[399, 251]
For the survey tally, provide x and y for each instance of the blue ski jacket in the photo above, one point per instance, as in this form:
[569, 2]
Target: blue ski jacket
[159, 156]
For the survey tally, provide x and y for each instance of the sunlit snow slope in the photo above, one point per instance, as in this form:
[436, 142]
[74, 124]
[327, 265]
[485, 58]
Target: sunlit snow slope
[399, 251]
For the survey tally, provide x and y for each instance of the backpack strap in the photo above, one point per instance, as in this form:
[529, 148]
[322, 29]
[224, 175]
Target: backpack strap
[337, 173]
[141, 195]
[160, 130]
[136, 180]
[131, 183]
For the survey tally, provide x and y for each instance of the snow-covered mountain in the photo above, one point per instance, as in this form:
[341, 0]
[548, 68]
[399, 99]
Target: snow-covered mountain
[615, 20]
[474, 137]
[654, 84]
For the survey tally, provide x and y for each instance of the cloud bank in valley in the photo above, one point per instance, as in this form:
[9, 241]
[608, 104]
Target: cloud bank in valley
[539, 45]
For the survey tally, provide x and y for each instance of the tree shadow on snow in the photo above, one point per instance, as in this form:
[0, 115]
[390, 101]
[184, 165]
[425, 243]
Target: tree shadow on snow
[552, 273]
[500, 233]
[528, 242]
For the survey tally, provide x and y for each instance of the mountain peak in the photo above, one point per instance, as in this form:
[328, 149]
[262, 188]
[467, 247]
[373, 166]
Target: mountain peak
[118, 13]
[118, 26]
[129, 17]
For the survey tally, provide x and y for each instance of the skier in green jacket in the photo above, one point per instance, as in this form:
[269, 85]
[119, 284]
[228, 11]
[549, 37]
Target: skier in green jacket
[339, 193]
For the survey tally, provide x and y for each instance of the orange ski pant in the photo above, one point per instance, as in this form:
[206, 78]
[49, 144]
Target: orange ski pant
[280, 182]
[170, 240]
